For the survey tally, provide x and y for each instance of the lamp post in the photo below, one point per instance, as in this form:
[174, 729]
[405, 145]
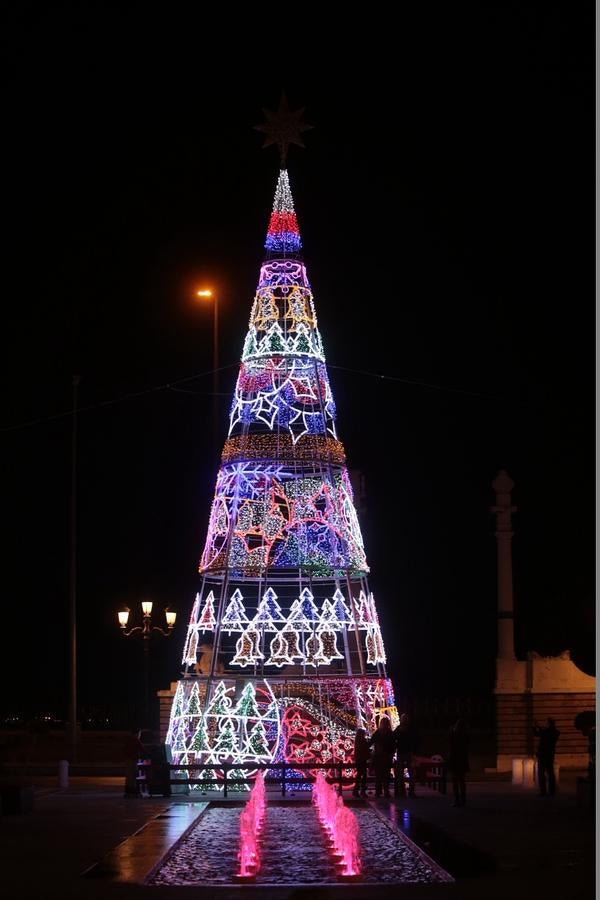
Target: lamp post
[145, 631]
[73, 581]
[207, 293]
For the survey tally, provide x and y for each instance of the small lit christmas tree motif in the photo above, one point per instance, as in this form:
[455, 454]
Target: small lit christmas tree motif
[178, 702]
[225, 745]
[327, 617]
[258, 746]
[194, 702]
[190, 652]
[220, 703]
[342, 614]
[178, 738]
[268, 612]
[200, 741]
[363, 612]
[191, 640]
[304, 614]
[294, 625]
[236, 776]
[246, 706]
[207, 620]
[235, 618]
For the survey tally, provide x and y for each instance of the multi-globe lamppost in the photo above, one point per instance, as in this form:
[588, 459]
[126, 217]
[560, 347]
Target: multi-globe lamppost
[146, 631]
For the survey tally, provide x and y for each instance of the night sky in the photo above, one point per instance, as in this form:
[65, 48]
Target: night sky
[445, 199]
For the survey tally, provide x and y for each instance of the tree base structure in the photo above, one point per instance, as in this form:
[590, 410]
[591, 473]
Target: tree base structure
[243, 721]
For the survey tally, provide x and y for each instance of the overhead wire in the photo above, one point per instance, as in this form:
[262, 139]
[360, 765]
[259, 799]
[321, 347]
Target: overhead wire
[174, 386]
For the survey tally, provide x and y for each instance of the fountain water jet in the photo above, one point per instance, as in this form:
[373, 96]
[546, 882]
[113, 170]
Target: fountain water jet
[251, 822]
[340, 824]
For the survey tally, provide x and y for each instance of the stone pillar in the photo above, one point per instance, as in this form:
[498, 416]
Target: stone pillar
[534, 688]
[165, 699]
[503, 485]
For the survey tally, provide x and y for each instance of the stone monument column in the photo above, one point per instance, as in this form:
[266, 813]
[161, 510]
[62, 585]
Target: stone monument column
[534, 688]
[503, 485]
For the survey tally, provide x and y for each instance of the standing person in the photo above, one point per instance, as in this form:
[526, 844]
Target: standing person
[383, 745]
[548, 736]
[361, 759]
[458, 760]
[405, 738]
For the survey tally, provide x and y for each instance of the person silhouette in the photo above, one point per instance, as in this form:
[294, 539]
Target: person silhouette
[361, 759]
[548, 736]
[382, 741]
[406, 741]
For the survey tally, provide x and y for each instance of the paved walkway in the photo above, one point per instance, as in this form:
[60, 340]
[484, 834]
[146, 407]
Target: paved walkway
[527, 846]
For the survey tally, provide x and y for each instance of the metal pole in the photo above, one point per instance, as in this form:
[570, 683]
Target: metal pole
[73, 581]
[216, 375]
[147, 680]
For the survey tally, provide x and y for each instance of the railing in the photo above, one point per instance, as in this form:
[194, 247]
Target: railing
[158, 777]
[161, 774]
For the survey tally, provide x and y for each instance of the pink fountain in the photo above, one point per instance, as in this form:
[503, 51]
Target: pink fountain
[340, 824]
[251, 823]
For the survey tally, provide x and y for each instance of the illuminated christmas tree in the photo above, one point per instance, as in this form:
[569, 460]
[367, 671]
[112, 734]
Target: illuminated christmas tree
[298, 660]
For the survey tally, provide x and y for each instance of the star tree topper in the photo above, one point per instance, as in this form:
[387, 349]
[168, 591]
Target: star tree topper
[283, 127]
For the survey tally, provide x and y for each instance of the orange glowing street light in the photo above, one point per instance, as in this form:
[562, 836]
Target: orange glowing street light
[206, 292]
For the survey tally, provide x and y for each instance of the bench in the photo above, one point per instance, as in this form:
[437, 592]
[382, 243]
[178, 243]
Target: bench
[431, 771]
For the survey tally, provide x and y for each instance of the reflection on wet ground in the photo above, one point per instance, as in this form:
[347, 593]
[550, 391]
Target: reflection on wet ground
[293, 851]
[460, 859]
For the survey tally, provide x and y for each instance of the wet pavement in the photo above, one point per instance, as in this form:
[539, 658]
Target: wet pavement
[507, 843]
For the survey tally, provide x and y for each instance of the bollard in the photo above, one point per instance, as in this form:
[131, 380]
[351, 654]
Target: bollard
[63, 774]
[529, 772]
[517, 770]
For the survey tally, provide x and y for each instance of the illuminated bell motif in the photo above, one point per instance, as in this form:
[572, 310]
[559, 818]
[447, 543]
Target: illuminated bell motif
[314, 651]
[279, 652]
[247, 649]
[371, 646]
[329, 649]
[292, 638]
[379, 648]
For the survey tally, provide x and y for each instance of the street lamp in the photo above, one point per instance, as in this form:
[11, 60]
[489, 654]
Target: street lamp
[208, 294]
[145, 631]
